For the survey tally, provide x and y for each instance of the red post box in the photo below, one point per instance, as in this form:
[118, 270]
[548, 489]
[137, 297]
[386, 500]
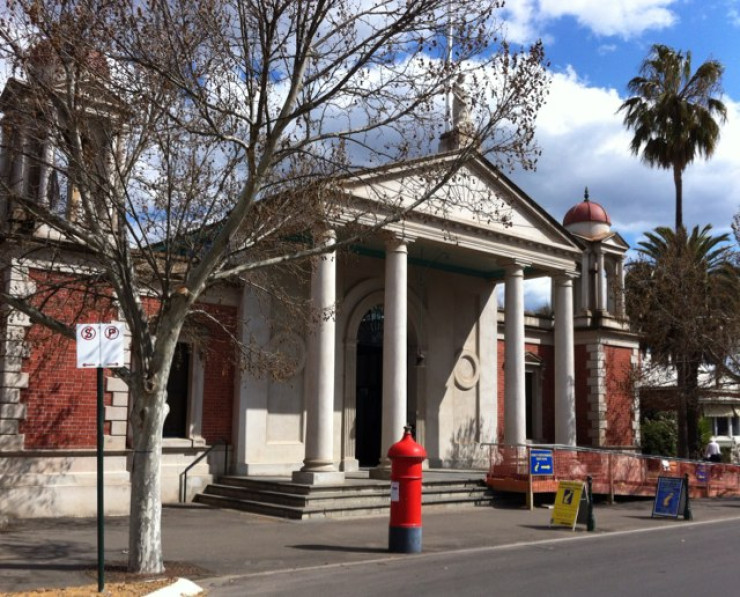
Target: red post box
[405, 529]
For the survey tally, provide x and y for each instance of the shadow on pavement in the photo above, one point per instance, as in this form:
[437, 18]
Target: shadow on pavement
[343, 548]
[46, 551]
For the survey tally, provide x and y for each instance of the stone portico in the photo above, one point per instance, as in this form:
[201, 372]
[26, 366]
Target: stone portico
[436, 282]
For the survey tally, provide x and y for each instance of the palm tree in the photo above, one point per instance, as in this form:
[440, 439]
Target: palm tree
[672, 113]
[682, 297]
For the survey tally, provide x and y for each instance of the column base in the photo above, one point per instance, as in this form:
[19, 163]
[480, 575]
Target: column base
[382, 472]
[318, 477]
[349, 465]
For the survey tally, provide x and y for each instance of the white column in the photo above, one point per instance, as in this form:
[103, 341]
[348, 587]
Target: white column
[515, 423]
[585, 281]
[488, 354]
[600, 281]
[619, 291]
[18, 170]
[197, 380]
[45, 169]
[395, 323]
[318, 465]
[251, 392]
[565, 397]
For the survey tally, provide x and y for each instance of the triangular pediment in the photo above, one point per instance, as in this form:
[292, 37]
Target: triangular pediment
[477, 207]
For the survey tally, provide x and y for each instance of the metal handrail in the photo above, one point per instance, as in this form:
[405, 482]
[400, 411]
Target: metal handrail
[184, 474]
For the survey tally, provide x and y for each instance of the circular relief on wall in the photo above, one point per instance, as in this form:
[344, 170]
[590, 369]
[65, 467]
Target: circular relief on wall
[291, 350]
[467, 370]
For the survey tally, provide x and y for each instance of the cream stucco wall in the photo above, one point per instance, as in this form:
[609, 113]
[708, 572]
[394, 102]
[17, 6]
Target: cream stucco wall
[451, 366]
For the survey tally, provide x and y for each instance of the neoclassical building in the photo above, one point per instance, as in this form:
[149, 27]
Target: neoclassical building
[425, 324]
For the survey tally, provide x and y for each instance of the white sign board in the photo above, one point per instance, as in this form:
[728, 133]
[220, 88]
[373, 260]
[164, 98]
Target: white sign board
[100, 345]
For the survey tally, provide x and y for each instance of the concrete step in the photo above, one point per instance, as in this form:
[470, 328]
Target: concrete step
[356, 498]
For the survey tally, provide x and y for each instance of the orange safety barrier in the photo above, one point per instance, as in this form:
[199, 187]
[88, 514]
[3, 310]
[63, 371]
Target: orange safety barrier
[612, 473]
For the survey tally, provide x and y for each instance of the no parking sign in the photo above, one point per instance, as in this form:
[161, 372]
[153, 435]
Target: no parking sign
[100, 345]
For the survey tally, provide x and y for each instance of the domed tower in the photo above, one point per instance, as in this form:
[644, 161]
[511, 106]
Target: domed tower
[605, 350]
[600, 298]
[588, 220]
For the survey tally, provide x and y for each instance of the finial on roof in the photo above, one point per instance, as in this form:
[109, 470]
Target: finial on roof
[585, 194]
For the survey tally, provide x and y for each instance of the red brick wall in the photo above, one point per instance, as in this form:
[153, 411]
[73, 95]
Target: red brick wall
[619, 430]
[218, 390]
[546, 353]
[583, 424]
[547, 386]
[61, 399]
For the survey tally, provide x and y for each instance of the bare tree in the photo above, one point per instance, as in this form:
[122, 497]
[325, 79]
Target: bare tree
[183, 144]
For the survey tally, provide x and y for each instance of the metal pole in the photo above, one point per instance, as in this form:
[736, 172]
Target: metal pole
[590, 520]
[611, 478]
[448, 64]
[530, 484]
[101, 510]
[687, 514]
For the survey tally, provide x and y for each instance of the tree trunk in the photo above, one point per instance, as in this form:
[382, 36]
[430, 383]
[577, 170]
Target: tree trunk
[145, 525]
[692, 409]
[678, 182]
[683, 436]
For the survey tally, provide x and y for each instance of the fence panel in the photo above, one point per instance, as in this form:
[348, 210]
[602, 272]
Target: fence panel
[612, 473]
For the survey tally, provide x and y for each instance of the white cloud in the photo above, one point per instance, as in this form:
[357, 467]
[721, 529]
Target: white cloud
[528, 19]
[584, 143]
[624, 18]
[537, 293]
[607, 49]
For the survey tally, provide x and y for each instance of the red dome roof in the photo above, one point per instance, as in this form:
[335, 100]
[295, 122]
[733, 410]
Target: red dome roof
[586, 211]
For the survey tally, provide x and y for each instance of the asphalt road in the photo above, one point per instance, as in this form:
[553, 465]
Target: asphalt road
[696, 560]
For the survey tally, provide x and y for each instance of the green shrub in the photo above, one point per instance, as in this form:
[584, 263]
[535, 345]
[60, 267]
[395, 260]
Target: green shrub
[660, 435]
[705, 431]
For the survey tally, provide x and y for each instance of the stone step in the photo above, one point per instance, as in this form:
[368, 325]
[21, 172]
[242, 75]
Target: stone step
[356, 486]
[380, 494]
[346, 509]
[300, 502]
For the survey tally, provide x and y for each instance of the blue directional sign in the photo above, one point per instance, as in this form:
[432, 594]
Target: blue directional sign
[541, 462]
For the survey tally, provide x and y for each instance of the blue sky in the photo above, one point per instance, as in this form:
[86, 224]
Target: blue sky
[594, 48]
[609, 56]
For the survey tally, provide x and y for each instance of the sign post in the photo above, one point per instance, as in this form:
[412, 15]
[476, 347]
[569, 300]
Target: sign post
[100, 485]
[100, 345]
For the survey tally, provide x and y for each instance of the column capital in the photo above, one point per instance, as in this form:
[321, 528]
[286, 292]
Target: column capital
[564, 278]
[324, 236]
[515, 267]
[396, 243]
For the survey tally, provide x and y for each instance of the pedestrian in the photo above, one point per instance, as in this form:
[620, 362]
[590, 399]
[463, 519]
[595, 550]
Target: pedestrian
[713, 453]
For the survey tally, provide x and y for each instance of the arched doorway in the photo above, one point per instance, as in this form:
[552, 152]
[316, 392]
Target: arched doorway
[363, 374]
[369, 387]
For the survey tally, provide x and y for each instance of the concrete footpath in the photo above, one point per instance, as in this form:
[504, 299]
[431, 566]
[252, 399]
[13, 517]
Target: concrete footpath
[208, 545]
